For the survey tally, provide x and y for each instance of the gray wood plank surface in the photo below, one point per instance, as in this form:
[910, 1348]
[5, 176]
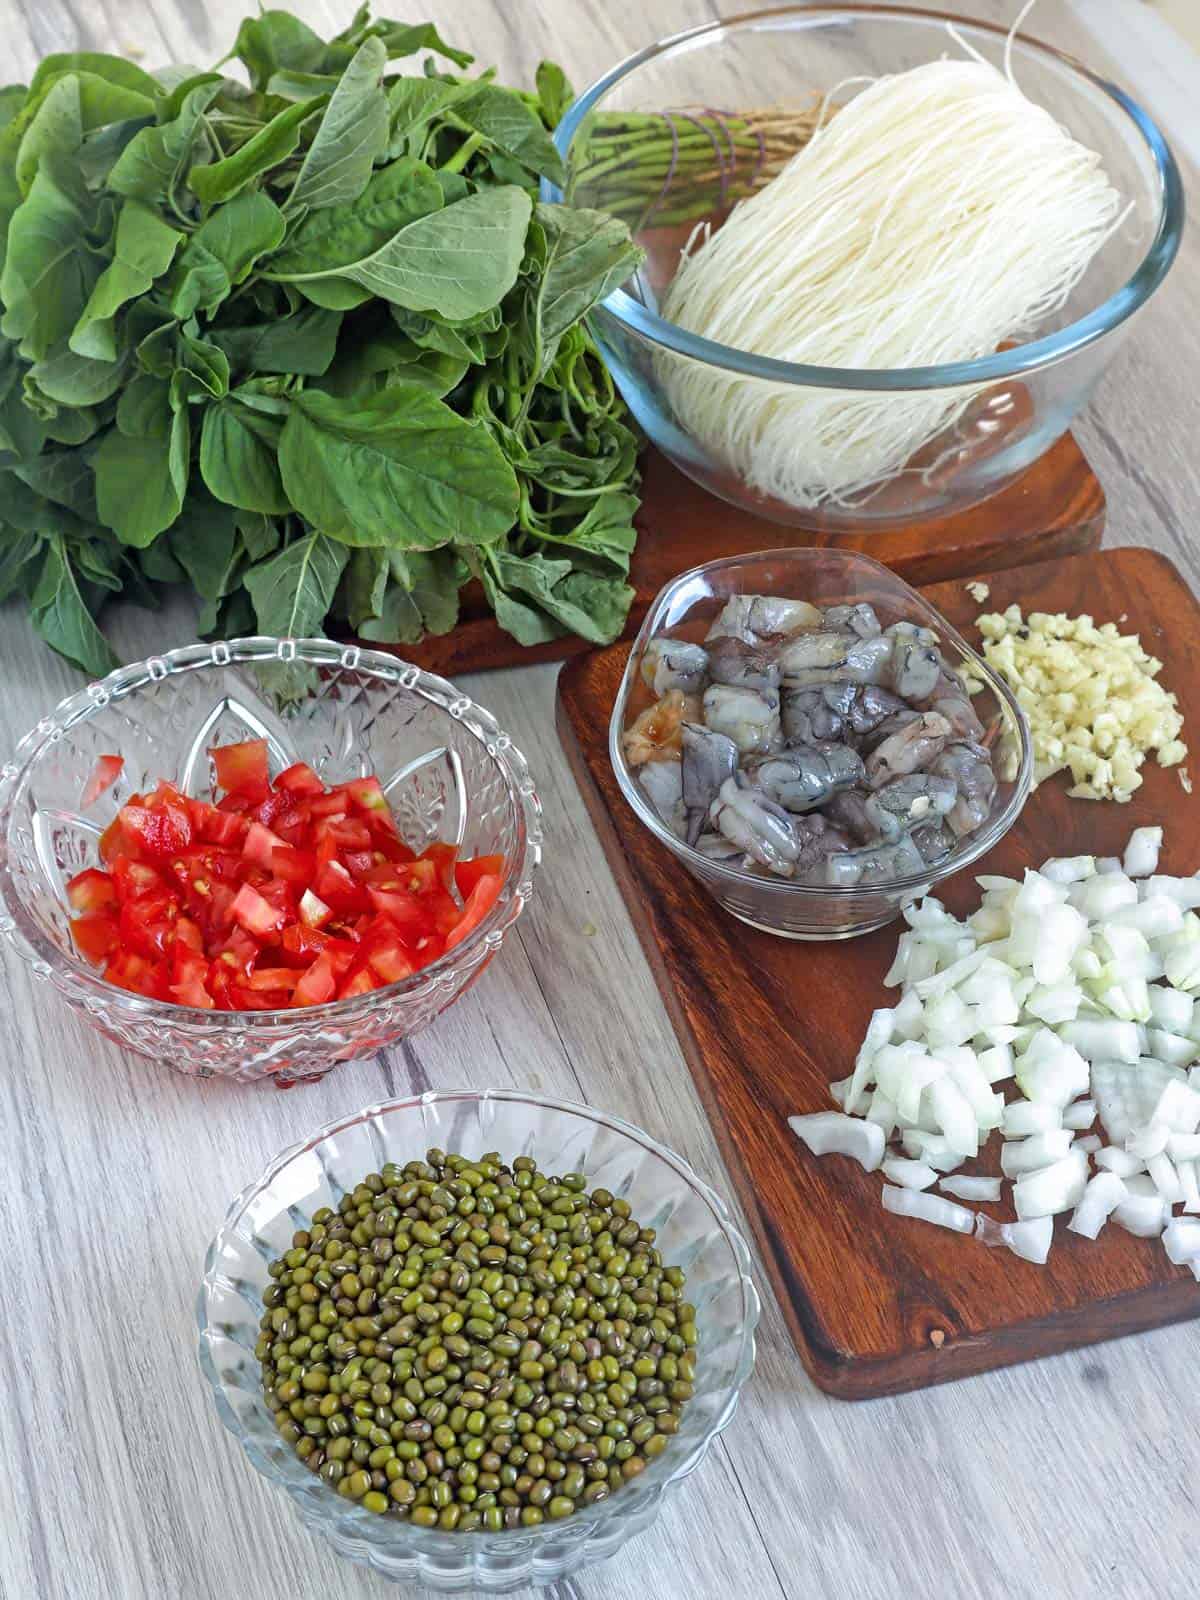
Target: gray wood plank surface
[1071, 1477]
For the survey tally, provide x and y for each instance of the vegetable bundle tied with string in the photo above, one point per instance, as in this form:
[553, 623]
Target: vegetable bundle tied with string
[308, 344]
[938, 215]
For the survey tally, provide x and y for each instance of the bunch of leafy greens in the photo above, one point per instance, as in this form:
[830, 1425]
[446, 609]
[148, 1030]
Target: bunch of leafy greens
[309, 345]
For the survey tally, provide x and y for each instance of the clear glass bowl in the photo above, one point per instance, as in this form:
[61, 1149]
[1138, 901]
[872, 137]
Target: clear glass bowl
[676, 134]
[825, 578]
[449, 772]
[695, 1231]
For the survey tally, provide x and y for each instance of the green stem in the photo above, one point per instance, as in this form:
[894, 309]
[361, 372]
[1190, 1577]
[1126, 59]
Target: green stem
[464, 153]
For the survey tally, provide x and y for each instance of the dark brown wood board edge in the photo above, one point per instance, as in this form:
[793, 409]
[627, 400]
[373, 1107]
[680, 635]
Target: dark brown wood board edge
[1055, 509]
[859, 1377]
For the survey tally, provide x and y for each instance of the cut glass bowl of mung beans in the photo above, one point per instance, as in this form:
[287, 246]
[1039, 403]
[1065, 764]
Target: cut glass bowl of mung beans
[477, 1336]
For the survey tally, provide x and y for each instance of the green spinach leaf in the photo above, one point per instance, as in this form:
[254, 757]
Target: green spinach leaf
[351, 136]
[238, 462]
[62, 617]
[222, 180]
[294, 590]
[143, 249]
[457, 262]
[400, 468]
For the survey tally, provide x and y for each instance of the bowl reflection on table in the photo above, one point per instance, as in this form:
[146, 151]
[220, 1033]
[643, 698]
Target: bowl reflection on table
[673, 137]
[686, 607]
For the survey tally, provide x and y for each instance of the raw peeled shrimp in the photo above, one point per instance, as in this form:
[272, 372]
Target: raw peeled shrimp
[708, 760]
[870, 705]
[752, 617]
[757, 826]
[870, 865]
[747, 716]
[657, 734]
[834, 657]
[859, 619]
[744, 666]
[807, 775]
[816, 713]
[916, 663]
[901, 804]
[674, 664]
[949, 699]
[912, 749]
[848, 811]
[967, 765]
[934, 840]
[663, 783]
[815, 657]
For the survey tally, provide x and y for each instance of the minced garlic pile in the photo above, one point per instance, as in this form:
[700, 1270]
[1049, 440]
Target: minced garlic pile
[1091, 696]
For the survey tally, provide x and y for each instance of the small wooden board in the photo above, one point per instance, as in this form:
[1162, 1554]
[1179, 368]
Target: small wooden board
[878, 1304]
[1054, 509]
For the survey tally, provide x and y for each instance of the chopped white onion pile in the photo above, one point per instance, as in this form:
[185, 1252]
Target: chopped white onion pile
[1080, 983]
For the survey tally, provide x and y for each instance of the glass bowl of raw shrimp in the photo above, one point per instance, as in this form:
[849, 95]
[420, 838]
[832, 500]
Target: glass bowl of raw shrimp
[959, 734]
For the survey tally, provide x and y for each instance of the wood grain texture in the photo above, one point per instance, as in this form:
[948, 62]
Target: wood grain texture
[876, 1305]
[1051, 1481]
[1054, 509]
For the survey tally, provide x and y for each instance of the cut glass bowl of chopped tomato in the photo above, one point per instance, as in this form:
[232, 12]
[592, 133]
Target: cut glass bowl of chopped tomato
[262, 857]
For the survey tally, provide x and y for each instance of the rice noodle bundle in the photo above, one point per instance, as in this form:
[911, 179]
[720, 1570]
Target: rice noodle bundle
[937, 215]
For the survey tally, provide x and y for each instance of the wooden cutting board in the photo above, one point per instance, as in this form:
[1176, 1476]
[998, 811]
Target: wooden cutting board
[1054, 509]
[879, 1304]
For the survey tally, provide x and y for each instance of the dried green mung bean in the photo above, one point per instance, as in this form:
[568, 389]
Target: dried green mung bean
[470, 1346]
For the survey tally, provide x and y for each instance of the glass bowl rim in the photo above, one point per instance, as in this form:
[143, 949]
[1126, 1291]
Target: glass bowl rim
[27, 938]
[1022, 359]
[588, 1518]
[978, 844]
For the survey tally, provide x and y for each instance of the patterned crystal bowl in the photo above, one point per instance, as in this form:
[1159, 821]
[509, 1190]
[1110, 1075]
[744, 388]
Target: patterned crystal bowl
[448, 771]
[695, 1231]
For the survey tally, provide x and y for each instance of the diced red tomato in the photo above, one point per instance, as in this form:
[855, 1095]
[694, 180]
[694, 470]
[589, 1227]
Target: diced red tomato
[443, 857]
[259, 844]
[103, 775]
[468, 873]
[479, 902]
[390, 964]
[159, 830]
[333, 804]
[358, 862]
[284, 894]
[407, 912]
[274, 978]
[258, 916]
[238, 953]
[132, 971]
[242, 768]
[317, 985]
[96, 934]
[294, 866]
[91, 890]
[147, 925]
[214, 826]
[274, 808]
[189, 988]
[300, 779]
[314, 913]
[112, 842]
[134, 878]
[361, 983]
[337, 888]
[367, 795]
[348, 833]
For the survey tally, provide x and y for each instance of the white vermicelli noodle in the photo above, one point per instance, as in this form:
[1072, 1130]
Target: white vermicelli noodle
[937, 215]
